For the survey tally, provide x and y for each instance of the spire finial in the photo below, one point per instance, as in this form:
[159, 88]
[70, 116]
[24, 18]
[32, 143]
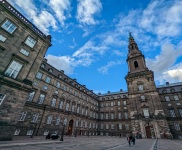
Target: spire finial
[130, 36]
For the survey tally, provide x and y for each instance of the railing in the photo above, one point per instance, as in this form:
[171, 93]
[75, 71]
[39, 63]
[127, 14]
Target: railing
[22, 18]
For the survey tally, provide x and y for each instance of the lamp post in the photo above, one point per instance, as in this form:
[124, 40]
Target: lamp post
[62, 134]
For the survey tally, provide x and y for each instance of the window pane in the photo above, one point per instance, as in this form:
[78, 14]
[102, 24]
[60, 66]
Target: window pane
[13, 69]
[2, 96]
[30, 42]
[39, 75]
[9, 26]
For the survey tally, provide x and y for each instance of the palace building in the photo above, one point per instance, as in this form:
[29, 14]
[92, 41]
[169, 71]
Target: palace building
[37, 99]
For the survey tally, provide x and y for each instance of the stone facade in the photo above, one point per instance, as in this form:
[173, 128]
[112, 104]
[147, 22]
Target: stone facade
[37, 99]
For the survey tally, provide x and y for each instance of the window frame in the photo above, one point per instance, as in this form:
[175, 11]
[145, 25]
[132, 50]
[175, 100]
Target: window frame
[30, 39]
[12, 23]
[2, 99]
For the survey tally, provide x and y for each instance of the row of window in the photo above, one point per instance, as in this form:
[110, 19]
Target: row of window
[39, 75]
[112, 116]
[175, 97]
[11, 27]
[112, 104]
[112, 126]
[173, 114]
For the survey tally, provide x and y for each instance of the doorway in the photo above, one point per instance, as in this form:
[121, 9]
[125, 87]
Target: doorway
[148, 131]
[70, 127]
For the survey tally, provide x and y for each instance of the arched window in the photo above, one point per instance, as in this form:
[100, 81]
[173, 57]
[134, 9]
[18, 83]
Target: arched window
[136, 64]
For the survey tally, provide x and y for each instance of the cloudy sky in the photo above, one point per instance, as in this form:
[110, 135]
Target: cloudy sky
[90, 37]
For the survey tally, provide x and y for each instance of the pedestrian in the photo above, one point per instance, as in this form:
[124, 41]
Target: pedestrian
[133, 140]
[129, 139]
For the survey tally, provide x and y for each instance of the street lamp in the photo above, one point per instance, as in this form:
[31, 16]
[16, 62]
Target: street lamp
[62, 134]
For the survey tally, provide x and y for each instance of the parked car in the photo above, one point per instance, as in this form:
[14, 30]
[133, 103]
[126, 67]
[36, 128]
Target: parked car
[52, 136]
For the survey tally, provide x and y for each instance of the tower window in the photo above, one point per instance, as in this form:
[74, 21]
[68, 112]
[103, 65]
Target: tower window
[136, 64]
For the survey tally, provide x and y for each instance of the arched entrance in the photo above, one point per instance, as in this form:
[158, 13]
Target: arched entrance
[70, 127]
[149, 131]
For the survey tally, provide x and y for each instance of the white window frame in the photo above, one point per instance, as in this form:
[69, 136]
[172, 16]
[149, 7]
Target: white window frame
[9, 26]
[112, 104]
[29, 132]
[146, 112]
[49, 119]
[58, 120]
[24, 52]
[48, 79]
[78, 109]
[61, 104]
[2, 97]
[2, 38]
[140, 87]
[35, 118]
[172, 113]
[177, 126]
[119, 115]
[22, 116]
[126, 115]
[30, 96]
[120, 126]
[53, 102]
[119, 103]
[73, 108]
[13, 69]
[39, 75]
[167, 98]
[107, 116]
[30, 41]
[176, 98]
[67, 106]
[17, 132]
[58, 84]
[41, 99]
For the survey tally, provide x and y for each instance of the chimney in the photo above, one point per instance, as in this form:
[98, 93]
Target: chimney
[121, 90]
[62, 71]
[99, 93]
[108, 92]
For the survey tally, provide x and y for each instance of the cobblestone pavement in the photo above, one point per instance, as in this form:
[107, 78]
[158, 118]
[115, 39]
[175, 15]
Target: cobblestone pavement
[99, 143]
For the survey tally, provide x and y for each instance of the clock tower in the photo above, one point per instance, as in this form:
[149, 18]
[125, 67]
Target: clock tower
[146, 113]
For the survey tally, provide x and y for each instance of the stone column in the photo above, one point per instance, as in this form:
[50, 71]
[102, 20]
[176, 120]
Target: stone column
[156, 129]
[142, 129]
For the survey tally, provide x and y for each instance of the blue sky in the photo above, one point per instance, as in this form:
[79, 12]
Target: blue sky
[90, 37]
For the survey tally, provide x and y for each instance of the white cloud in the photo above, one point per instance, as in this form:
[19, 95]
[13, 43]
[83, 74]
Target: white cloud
[118, 53]
[42, 19]
[61, 8]
[165, 59]
[86, 10]
[104, 69]
[61, 63]
[172, 75]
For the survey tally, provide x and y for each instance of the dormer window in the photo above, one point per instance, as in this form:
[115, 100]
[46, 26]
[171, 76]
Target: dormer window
[50, 70]
[42, 66]
[60, 76]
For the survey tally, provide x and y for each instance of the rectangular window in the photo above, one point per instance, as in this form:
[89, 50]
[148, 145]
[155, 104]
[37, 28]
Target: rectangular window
[13, 69]
[29, 132]
[49, 119]
[78, 109]
[61, 105]
[2, 97]
[177, 127]
[48, 79]
[112, 115]
[107, 126]
[176, 98]
[124, 102]
[17, 132]
[146, 112]
[112, 126]
[107, 116]
[120, 126]
[172, 113]
[22, 116]
[67, 106]
[53, 102]
[35, 118]
[2, 38]
[9, 26]
[39, 75]
[112, 104]
[41, 99]
[126, 126]
[180, 112]
[119, 103]
[30, 42]
[73, 108]
[86, 112]
[24, 52]
[58, 120]
[76, 123]
[167, 98]
[126, 115]
[30, 96]
[119, 115]
[58, 84]
[101, 116]
[101, 126]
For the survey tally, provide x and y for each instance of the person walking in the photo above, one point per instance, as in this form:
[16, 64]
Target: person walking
[133, 140]
[129, 138]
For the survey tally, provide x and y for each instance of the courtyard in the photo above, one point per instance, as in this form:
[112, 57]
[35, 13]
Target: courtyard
[90, 143]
